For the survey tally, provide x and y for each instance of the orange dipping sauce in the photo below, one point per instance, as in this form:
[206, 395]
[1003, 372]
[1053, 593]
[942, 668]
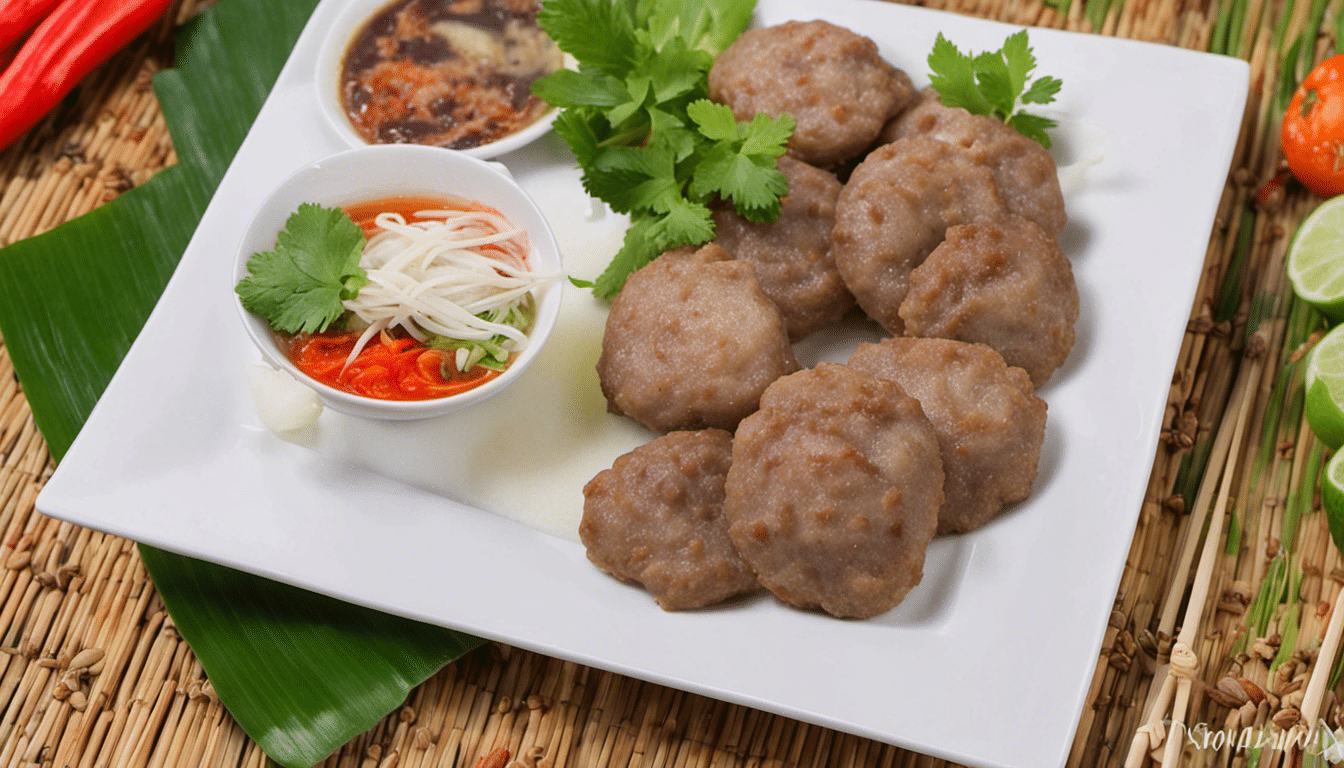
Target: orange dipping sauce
[390, 367]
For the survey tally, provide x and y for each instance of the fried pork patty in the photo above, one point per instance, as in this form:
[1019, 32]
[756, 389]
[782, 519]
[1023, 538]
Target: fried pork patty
[792, 255]
[989, 422]
[834, 491]
[832, 81]
[1024, 172]
[656, 518]
[1004, 283]
[691, 342]
[895, 209]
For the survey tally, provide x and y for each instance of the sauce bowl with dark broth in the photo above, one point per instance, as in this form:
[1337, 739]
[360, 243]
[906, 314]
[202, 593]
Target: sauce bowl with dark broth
[387, 177]
[454, 74]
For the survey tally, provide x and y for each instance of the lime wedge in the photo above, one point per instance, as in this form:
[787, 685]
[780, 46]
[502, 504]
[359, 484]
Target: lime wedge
[1325, 388]
[1316, 259]
[1332, 496]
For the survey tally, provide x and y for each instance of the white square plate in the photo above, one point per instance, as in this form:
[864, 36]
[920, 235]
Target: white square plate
[988, 660]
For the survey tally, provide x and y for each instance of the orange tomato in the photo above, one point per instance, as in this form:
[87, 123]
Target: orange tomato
[1312, 135]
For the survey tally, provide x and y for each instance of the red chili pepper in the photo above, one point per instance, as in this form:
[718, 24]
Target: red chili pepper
[77, 36]
[18, 17]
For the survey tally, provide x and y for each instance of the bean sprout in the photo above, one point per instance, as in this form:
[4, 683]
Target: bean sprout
[450, 273]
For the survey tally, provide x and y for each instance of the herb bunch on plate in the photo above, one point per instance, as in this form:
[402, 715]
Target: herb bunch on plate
[997, 84]
[638, 118]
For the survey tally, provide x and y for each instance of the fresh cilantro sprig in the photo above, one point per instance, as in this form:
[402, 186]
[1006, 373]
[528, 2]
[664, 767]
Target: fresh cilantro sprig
[298, 287]
[638, 118]
[995, 83]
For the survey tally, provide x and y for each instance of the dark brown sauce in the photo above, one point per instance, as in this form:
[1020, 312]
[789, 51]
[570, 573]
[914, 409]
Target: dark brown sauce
[456, 74]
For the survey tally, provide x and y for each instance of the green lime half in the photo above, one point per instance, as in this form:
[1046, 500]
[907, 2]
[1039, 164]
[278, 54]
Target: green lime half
[1332, 495]
[1316, 259]
[1325, 388]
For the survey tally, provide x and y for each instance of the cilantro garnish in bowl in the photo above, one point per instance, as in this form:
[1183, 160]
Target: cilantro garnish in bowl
[299, 285]
[638, 118]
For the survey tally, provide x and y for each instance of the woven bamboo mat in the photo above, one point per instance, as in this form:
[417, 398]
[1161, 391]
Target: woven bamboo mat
[92, 672]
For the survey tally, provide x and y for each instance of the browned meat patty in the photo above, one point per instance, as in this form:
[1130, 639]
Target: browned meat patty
[832, 81]
[1004, 283]
[894, 211]
[692, 342]
[834, 490]
[656, 518]
[1024, 172]
[792, 255]
[990, 424]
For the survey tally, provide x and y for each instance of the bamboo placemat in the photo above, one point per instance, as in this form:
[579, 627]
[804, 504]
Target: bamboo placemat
[92, 672]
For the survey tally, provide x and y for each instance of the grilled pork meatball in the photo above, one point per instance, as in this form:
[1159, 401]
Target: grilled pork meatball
[792, 255]
[656, 518]
[1004, 283]
[894, 211]
[1024, 172]
[989, 422]
[691, 342]
[834, 490]
[833, 82]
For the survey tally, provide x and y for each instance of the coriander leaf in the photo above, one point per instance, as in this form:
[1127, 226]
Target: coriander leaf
[1033, 127]
[1043, 91]
[768, 135]
[636, 10]
[741, 165]
[991, 73]
[730, 18]
[649, 235]
[716, 121]
[668, 21]
[994, 83]
[684, 222]
[709, 25]
[676, 70]
[612, 186]
[1019, 60]
[680, 143]
[637, 90]
[579, 130]
[598, 33]
[753, 184]
[567, 88]
[636, 143]
[953, 76]
[638, 249]
[632, 178]
[298, 287]
[670, 129]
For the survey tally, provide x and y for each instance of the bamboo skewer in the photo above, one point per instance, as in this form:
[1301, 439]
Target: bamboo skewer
[1312, 699]
[1184, 664]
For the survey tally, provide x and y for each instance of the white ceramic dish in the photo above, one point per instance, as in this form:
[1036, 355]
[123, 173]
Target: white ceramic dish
[352, 17]
[987, 662]
[374, 172]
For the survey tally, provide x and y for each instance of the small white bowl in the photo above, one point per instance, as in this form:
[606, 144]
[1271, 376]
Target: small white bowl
[379, 171]
[328, 80]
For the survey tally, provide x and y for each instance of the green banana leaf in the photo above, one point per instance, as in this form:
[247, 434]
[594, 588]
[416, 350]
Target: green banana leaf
[300, 673]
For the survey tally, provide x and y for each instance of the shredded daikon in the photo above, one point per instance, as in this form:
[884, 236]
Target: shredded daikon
[458, 274]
